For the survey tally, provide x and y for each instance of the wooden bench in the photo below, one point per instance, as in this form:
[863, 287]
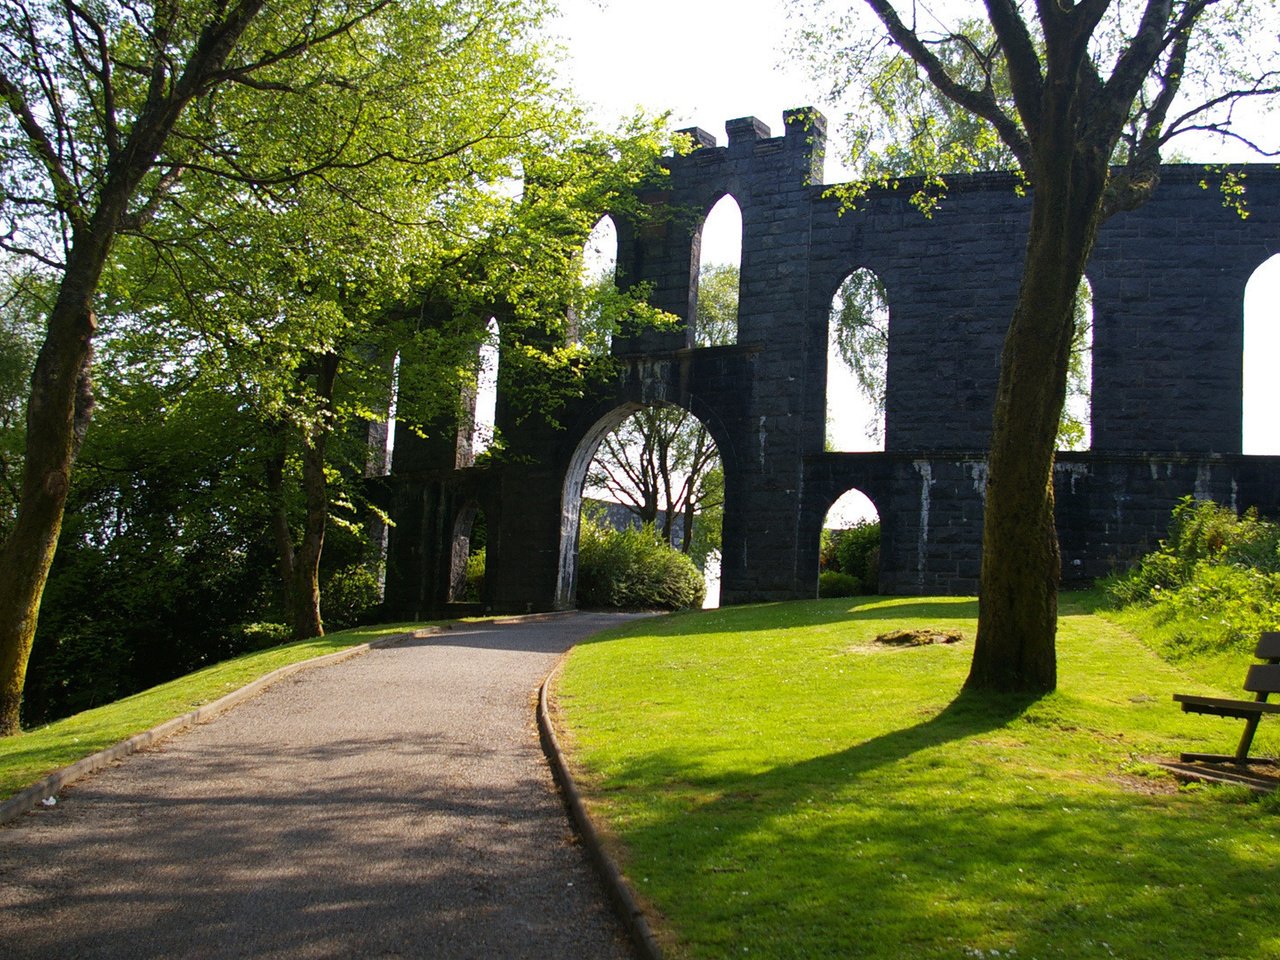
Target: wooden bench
[1263, 679]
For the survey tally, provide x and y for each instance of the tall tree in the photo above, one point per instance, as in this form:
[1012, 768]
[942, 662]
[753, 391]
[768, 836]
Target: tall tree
[1096, 90]
[118, 117]
[299, 287]
[91, 139]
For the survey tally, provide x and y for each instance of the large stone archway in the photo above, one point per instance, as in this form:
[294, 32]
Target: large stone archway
[1168, 283]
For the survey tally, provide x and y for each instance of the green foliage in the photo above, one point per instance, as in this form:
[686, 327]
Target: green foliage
[708, 521]
[859, 327]
[364, 181]
[474, 590]
[717, 318]
[162, 557]
[832, 583]
[634, 568]
[898, 124]
[350, 596]
[901, 125]
[23, 299]
[853, 552]
[858, 552]
[1213, 584]
[1073, 424]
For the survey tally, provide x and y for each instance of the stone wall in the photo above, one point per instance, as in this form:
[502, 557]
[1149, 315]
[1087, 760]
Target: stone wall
[1168, 283]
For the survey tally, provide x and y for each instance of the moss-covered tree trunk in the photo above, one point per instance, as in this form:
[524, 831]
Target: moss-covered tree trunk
[304, 584]
[58, 413]
[1018, 595]
[60, 403]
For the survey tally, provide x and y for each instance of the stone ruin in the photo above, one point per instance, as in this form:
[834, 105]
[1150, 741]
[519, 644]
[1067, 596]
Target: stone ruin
[1168, 283]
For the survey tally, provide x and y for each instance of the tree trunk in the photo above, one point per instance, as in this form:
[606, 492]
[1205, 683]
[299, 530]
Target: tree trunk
[58, 414]
[281, 535]
[61, 400]
[1018, 596]
[304, 588]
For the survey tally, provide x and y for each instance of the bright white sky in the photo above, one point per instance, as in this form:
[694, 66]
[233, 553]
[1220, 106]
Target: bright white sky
[708, 61]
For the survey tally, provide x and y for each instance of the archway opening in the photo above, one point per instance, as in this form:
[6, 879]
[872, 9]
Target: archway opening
[467, 556]
[1075, 428]
[645, 490]
[857, 364]
[715, 321]
[849, 555]
[590, 325]
[1260, 426]
[481, 434]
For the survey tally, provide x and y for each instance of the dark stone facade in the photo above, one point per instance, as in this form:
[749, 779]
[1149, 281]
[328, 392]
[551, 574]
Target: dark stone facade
[1168, 284]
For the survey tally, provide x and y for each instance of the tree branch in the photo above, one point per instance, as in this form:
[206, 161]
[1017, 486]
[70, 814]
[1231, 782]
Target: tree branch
[296, 49]
[980, 102]
[110, 126]
[1136, 61]
[63, 189]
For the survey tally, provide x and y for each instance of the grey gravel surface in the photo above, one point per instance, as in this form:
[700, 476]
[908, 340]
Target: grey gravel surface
[393, 805]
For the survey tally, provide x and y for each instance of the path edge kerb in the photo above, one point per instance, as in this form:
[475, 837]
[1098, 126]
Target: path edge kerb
[623, 898]
[26, 799]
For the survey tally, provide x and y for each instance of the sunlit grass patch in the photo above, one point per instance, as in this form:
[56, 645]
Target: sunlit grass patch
[777, 787]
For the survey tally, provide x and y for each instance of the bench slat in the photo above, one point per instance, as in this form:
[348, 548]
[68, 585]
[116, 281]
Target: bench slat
[1224, 707]
[1268, 646]
[1263, 678]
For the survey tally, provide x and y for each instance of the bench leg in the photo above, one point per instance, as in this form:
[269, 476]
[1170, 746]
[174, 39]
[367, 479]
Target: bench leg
[1246, 738]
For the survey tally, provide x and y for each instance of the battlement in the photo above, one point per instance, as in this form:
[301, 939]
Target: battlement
[802, 147]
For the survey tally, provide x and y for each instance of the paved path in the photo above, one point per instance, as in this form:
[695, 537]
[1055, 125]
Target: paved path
[393, 805]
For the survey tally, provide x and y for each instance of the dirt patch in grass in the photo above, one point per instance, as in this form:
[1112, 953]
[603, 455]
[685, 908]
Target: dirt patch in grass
[918, 638]
[1144, 783]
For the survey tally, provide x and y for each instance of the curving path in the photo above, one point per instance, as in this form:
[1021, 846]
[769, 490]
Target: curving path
[396, 804]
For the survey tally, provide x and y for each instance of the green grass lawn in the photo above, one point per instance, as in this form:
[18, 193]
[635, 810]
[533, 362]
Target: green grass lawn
[778, 786]
[26, 758]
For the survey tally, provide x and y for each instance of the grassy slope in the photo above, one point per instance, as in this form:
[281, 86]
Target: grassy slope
[781, 789]
[29, 756]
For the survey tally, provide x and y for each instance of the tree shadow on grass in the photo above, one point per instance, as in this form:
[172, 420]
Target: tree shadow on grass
[891, 848]
[969, 714]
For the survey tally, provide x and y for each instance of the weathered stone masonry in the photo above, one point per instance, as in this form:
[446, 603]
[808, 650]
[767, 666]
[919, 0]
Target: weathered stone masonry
[1168, 283]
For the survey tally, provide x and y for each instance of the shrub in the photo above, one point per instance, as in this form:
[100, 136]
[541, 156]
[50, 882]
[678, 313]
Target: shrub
[827, 559]
[474, 590]
[349, 597]
[1221, 606]
[259, 636]
[832, 583]
[1143, 584]
[1203, 530]
[854, 551]
[634, 568]
[1214, 583]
